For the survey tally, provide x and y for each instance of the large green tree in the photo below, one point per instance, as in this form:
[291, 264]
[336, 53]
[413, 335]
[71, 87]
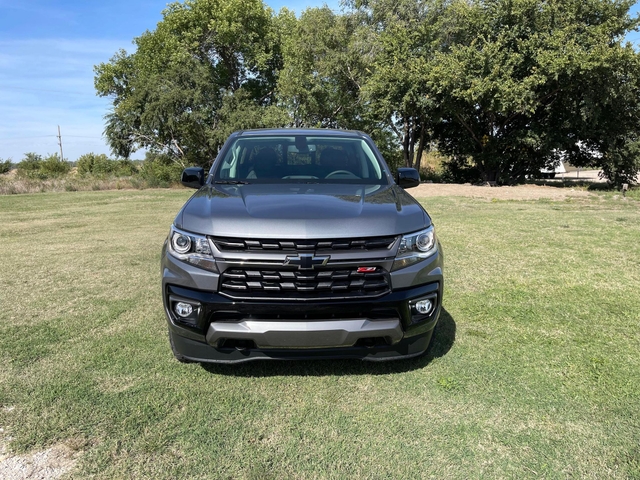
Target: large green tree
[521, 83]
[401, 41]
[320, 80]
[327, 60]
[188, 82]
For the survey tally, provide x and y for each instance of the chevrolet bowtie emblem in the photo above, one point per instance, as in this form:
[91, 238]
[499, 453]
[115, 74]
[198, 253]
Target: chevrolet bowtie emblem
[307, 261]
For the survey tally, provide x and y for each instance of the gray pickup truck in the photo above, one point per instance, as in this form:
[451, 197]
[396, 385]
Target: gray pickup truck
[301, 244]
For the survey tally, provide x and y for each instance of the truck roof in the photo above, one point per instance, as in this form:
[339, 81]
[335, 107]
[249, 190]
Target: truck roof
[300, 131]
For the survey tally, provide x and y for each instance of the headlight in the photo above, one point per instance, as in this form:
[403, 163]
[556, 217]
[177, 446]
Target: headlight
[181, 243]
[192, 249]
[415, 247]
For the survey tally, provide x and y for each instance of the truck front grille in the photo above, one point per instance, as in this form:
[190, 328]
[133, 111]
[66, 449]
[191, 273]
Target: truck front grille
[240, 244]
[326, 283]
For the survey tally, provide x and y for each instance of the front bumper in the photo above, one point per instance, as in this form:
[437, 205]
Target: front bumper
[196, 351]
[228, 331]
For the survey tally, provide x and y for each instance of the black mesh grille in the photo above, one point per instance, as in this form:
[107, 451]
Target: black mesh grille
[240, 244]
[328, 283]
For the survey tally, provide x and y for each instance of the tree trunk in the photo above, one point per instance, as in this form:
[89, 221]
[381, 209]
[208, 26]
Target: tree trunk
[421, 143]
[411, 150]
[490, 175]
[406, 140]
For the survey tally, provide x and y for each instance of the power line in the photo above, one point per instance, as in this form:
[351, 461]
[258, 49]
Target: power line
[81, 136]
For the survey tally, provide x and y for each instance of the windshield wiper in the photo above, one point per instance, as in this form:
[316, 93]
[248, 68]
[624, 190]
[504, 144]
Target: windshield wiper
[231, 182]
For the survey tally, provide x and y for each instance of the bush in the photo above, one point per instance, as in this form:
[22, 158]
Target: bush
[30, 162]
[125, 168]
[6, 166]
[460, 170]
[102, 166]
[35, 167]
[53, 166]
[429, 173]
[30, 165]
[431, 166]
[160, 170]
[95, 172]
[86, 162]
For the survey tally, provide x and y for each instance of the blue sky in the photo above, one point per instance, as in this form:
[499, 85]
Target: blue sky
[47, 52]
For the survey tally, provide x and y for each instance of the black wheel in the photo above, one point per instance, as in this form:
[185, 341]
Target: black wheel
[179, 357]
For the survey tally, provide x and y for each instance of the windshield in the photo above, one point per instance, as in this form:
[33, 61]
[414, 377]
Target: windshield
[300, 158]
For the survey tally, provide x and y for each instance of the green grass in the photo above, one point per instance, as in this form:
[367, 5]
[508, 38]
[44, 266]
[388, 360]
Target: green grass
[534, 371]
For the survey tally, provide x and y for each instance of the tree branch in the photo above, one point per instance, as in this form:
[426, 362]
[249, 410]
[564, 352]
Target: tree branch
[468, 128]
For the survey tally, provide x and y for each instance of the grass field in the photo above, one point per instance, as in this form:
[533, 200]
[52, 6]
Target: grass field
[534, 371]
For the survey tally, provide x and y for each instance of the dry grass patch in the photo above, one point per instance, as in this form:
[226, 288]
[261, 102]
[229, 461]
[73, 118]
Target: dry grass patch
[519, 192]
[49, 464]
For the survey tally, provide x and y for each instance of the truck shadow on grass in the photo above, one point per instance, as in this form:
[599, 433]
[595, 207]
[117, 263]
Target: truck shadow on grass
[443, 339]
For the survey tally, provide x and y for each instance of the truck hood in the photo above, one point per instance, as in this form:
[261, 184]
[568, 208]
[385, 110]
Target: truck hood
[299, 211]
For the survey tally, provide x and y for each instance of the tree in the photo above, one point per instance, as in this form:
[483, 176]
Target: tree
[401, 39]
[169, 94]
[521, 82]
[621, 161]
[320, 80]
[327, 63]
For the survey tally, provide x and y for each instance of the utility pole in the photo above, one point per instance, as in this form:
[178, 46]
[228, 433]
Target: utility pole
[60, 143]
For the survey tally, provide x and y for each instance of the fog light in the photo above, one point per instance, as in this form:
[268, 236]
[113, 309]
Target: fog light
[424, 306]
[183, 309]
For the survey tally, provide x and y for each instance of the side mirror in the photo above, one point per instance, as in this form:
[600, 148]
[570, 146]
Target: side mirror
[193, 177]
[407, 177]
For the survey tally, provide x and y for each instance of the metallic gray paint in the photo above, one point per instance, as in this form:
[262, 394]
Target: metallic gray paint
[301, 211]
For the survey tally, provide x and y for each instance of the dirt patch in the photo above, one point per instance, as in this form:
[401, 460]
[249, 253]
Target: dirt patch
[520, 192]
[48, 464]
